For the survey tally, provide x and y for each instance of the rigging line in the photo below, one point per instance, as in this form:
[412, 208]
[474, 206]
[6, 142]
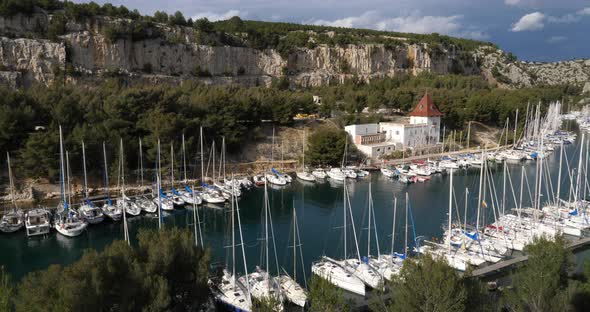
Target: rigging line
[512, 188]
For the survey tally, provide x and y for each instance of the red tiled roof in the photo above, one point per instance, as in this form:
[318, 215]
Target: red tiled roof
[426, 108]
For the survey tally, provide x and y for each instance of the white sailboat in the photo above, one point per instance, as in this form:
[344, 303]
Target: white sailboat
[263, 286]
[227, 290]
[389, 265]
[108, 209]
[14, 219]
[187, 194]
[173, 194]
[208, 194]
[319, 174]
[289, 286]
[89, 212]
[124, 203]
[67, 221]
[338, 272]
[161, 200]
[147, 205]
[304, 175]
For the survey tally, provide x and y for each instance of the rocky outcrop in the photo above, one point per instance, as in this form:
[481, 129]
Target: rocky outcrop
[165, 54]
[497, 67]
[31, 60]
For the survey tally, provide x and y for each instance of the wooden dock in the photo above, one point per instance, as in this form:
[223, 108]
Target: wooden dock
[503, 265]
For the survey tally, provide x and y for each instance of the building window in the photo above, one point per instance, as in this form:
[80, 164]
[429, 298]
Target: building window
[389, 148]
[378, 150]
[397, 132]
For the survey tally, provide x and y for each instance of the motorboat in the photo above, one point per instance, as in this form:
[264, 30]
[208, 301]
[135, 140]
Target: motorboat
[129, 206]
[37, 222]
[390, 173]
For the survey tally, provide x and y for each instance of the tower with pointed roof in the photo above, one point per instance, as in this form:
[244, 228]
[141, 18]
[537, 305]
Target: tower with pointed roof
[427, 113]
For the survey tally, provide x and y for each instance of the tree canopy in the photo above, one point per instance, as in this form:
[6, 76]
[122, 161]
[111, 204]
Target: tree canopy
[166, 272]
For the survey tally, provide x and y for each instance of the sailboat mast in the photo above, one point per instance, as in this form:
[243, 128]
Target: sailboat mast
[159, 186]
[184, 157]
[233, 239]
[223, 156]
[61, 161]
[141, 162]
[369, 228]
[557, 194]
[406, 230]
[344, 224]
[466, 205]
[294, 243]
[393, 225]
[106, 170]
[504, 189]
[450, 211]
[171, 165]
[303, 143]
[267, 263]
[68, 177]
[84, 167]
[123, 197]
[201, 143]
[213, 156]
[479, 200]
[11, 181]
[578, 179]
[515, 127]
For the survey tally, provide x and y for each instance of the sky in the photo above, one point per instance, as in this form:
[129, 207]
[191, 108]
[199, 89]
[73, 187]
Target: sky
[534, 30]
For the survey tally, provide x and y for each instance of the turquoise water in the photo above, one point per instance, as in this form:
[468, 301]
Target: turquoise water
[319, 209]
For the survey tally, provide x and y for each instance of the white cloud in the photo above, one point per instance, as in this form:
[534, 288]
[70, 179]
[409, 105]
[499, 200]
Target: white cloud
[556, 39]
[529, 22]
[584, 11]
[220, 16]
[448, 25]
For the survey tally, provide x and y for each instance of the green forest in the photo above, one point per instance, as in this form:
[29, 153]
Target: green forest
[114, 110]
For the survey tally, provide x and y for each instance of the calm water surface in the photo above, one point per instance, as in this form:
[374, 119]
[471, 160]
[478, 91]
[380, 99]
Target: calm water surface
[319, 210]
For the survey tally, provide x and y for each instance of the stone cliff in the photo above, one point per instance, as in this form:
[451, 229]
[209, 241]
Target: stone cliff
[84, 54]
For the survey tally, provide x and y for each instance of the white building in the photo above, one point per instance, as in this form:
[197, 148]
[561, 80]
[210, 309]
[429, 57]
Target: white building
[421, 129]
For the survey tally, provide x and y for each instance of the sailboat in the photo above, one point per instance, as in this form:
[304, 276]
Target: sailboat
[289, 286]
[187, 195]
[161, 200]
[263, 286]
[125, 203]
[108, 209]
[143, 201]
[304, 174]
[174, 195]
[336, 271]
[453, 258]
[227, 187]
[67, 221]
[349, 172]
[89, 212]
[226, 289]
[274, 177]
[389, 265]
[208, 194]
[12, 220]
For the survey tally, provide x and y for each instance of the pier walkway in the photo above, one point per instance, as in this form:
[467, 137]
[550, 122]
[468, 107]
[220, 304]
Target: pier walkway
[502, 265]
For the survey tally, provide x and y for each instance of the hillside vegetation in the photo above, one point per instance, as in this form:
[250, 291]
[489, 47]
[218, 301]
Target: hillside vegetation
[113, 110]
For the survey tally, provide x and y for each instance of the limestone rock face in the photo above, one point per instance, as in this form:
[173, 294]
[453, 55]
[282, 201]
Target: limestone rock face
[84, 55]
[35, 60]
